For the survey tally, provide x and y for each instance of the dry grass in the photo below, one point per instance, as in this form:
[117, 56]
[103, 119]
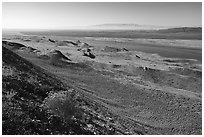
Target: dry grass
[63, 104]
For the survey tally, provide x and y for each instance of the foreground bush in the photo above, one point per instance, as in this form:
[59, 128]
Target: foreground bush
[63, 104]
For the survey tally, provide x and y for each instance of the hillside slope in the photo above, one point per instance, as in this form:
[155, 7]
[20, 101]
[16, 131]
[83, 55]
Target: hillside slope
[36, 102]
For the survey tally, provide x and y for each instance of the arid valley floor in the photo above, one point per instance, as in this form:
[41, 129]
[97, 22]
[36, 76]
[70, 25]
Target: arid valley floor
[96, 85]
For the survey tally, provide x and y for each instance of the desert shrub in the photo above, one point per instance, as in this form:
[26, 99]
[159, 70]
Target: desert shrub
[63, 104]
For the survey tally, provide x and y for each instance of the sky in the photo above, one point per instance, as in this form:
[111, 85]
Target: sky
[61, 15]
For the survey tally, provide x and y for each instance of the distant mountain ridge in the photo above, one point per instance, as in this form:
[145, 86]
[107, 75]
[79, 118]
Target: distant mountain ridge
[128, 27]
[115, 26]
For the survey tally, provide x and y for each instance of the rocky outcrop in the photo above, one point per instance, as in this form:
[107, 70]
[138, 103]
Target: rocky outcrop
[56, 57]
[13, 45]
[137, 56]
[53, 41]
[87, 52]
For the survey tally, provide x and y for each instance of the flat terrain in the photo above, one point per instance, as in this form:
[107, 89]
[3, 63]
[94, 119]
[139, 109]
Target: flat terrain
[146, 93]
[173, 33]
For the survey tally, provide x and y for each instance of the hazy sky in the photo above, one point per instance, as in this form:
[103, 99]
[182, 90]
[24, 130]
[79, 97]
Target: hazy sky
[62, 15]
